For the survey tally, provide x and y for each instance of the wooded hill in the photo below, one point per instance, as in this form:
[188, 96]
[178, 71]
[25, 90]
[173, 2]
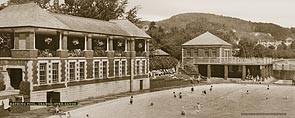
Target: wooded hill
[169, 34]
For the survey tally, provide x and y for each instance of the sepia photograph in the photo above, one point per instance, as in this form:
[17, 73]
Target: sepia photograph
[147, 59]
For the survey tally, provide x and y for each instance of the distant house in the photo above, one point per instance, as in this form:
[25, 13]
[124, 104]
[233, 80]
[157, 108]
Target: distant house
[213, 57]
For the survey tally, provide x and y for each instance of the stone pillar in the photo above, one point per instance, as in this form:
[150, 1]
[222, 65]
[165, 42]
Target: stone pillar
[147, 44]
[110, 55]
[261, 71]
[132, 62]
[209, 71]
[147, 54]
[244, 72]
[24, 43]
[225, 72]
[60, 40]
[62, 51]
[197, 68]
[89, 42]
[85, 42]
[88, 53]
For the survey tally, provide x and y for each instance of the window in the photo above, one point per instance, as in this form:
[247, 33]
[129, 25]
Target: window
[188, 53]
[123, 68]
[117, 68]
[82, 70]
[214, 53]
[104, 69]
[137, 67]
[143, 67]
[72, 71]
[206, 52]
[43, 73]
[196, 52]
[96, 69]
[55, 73]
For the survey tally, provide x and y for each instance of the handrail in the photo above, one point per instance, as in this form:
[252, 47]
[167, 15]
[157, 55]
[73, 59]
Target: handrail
[233, 60]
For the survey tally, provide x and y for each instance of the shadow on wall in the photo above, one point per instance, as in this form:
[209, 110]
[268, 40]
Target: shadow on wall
[284, 74]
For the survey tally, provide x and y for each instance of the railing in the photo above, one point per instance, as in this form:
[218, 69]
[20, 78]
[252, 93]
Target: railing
[47, 53]
[4, 52]
[120, 54]
[75, 53]
[99, 53]
[284, 67]
[230, 60]
[140, 54]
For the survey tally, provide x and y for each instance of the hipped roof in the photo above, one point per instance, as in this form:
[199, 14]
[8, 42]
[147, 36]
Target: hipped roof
[206, 39]
[31, 15]
[159, 52]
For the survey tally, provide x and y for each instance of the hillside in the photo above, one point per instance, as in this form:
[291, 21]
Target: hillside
[169, 34]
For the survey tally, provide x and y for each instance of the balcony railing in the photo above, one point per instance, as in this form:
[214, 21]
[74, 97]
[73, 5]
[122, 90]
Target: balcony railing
[229, 60]
[75, 53]
[47, 53]
[120, 54]
[99, 53]
[5, 52]
[140, 54]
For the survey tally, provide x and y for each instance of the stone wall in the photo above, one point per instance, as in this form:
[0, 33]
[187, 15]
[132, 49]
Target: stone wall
[73, 93]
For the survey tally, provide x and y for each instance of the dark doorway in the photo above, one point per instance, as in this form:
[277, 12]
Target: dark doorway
[217, 71]
[53, 96]
[141, 84]
[202, 70]
[16, 76]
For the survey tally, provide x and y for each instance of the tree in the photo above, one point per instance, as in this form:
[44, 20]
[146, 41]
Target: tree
[282, 46]
[96, 9]
[42, 3]
[293, 45]
[259, 50]
[131, 15]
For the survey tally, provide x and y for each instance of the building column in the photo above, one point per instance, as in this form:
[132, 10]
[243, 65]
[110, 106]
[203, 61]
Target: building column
[89, 42]
[60, 41]
[110, 55]
[88, 54]
[147, 43]
[244, 72]
[132, 62]
[126, 45]
[63, 40]
[85, 42]
[209, 71]
[225, 72]
[24, 43]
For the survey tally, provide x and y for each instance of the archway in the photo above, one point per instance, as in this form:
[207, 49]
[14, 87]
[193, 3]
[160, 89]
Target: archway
[16, 76]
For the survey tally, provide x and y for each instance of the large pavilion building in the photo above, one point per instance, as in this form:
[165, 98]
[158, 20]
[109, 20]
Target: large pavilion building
[66, 58]
[212, 57]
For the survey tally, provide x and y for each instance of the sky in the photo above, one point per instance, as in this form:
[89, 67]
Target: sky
[281, 12]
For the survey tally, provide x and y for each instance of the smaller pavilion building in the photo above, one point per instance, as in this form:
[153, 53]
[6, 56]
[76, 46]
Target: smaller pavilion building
[213, 57]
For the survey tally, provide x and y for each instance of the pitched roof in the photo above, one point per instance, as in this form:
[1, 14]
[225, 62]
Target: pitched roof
[31, 14]
[130, 28]
[206, 39]
[28, 15]
[90, 25]
[159, 52]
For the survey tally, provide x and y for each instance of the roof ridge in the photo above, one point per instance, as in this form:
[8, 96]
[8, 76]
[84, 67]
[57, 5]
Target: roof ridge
[206, 38]
[79, 17]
